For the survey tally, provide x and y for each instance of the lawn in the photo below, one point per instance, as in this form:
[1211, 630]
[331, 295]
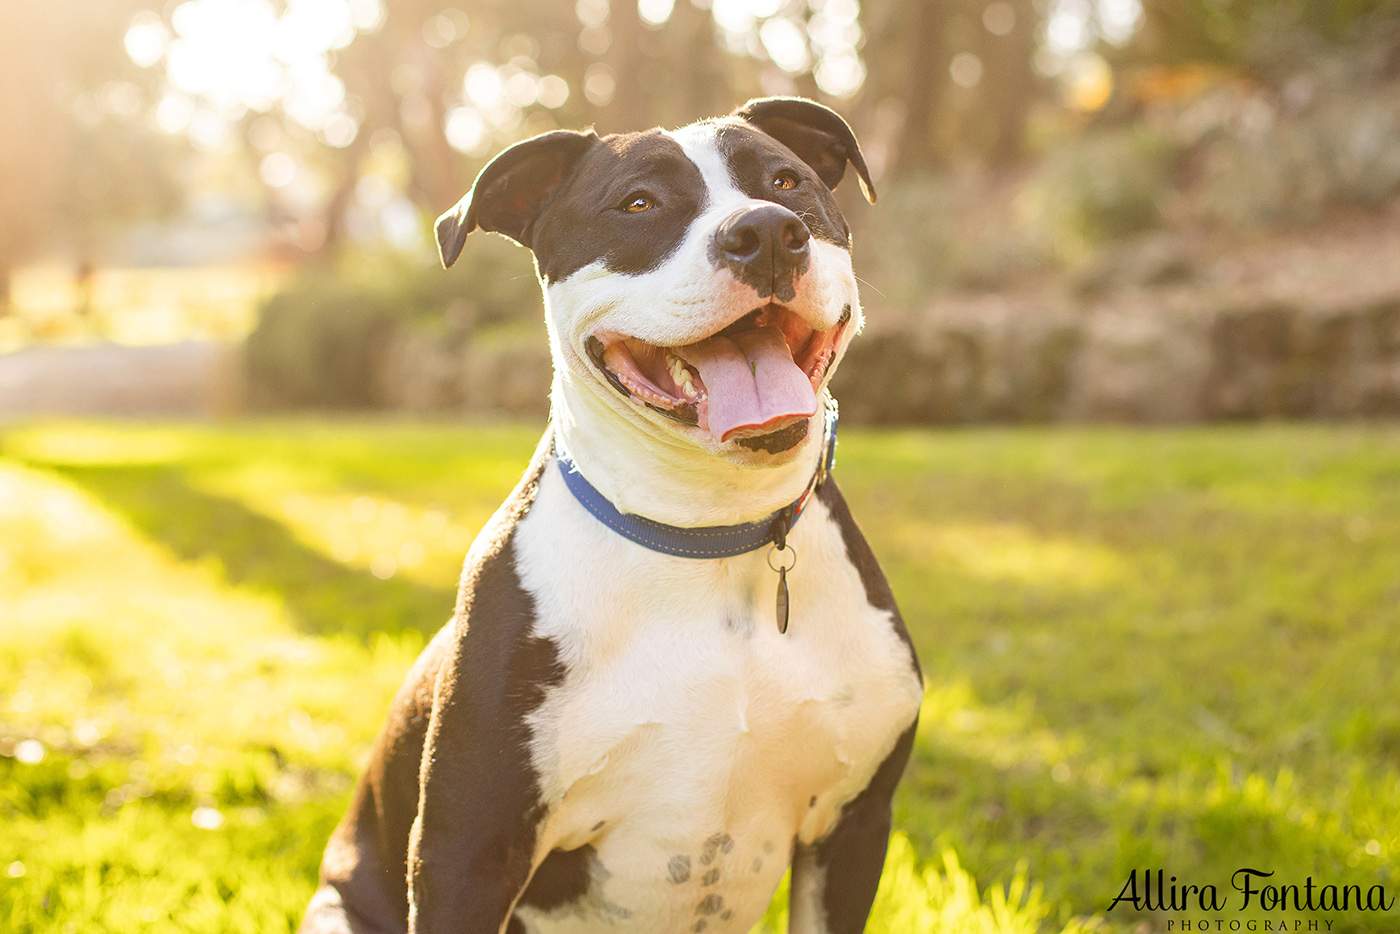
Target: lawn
[1144, 649]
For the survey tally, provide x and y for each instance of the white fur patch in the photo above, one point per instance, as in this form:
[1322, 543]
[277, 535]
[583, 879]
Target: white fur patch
[688, 727]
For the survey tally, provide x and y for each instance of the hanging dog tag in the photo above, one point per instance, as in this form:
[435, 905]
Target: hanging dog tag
[782, 600]
[781, 605]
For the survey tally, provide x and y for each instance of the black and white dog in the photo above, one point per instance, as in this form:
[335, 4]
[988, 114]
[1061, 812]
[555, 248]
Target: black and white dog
[618, 730]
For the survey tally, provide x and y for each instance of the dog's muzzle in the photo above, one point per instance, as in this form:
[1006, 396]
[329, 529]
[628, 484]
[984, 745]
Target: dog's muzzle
[766, 247]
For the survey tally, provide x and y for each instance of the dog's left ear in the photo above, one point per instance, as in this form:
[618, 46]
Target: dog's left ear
[817, 134]
[510, 192]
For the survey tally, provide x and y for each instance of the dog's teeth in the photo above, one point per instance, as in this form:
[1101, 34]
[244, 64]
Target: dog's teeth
[680, 373]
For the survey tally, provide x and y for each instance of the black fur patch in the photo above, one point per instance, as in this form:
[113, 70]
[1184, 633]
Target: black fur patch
[467, 863]
[815, 133]
[877, 589]
[561, 878]
[852, 854]
[755, 158]
[473, 845]
[584, 221]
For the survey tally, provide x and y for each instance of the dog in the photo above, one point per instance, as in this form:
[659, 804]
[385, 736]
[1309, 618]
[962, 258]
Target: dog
[675, 668]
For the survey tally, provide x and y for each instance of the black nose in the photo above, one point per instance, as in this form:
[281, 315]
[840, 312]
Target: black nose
[766, 247]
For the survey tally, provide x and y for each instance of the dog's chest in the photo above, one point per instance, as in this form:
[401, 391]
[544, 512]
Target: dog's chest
[690, 744]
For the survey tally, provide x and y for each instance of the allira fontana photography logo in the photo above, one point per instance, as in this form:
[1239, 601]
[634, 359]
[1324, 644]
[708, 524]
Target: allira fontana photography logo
[1208, 906]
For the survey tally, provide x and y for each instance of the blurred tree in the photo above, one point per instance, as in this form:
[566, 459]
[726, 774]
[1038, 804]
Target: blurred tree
[73, 160]
[1246, 31]
[959, 71]
[432, 66]
[913, 68]
[1008, 47]
[31, 136]
[440, 85]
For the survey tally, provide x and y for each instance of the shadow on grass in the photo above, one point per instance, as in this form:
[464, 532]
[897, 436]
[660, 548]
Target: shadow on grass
[324, 596]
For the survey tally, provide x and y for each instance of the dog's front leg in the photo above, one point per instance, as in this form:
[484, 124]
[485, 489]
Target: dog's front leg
[835, 879]
[472, 845]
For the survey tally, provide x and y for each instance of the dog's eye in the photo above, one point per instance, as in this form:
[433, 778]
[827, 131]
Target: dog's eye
[784, 181]
[636, 204]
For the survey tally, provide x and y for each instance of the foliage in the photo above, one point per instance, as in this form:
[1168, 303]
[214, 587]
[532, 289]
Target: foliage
[938, 232]
[318, 343]
[1099, 187]
[1253, 32]
[1296, 164]
[1144, 649]
[324, 340]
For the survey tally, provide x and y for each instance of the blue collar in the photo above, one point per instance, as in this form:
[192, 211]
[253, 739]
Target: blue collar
[713, 541]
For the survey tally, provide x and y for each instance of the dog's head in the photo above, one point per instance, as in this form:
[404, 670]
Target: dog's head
[698, 282]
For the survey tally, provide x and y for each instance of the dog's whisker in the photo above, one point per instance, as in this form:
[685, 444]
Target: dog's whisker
[875, 290]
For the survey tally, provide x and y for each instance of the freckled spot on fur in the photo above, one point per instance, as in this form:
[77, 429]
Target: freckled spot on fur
[810, 804]
[710, 878]
[678, 869]
[699, 925]
[710, 905]
[768, 847]
[726, 914]
[757, 863]
[719, 843]
[599, 826]
[615, 910]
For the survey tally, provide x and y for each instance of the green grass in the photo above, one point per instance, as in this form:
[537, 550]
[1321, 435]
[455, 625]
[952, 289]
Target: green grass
[1144, 649]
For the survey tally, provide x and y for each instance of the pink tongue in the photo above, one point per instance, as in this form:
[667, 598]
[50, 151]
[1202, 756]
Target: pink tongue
[750, 380]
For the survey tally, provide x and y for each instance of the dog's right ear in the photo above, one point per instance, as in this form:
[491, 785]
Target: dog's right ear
[815, 133]
[508, 194]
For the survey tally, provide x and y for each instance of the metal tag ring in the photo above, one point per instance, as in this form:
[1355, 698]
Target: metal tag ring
[773, 548]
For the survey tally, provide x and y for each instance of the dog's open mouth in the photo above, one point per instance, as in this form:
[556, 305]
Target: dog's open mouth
[753, 378]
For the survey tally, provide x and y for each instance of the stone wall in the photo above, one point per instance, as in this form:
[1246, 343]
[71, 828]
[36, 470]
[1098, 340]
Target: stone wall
[1143, 358]
[1301, 325]
[499, 372]
[1152, 357]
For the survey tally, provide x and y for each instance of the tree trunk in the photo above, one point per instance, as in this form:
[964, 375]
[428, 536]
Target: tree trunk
[33, 133]
[436, 179]
[338, 204]
[700, 70]
[926, 74]
[628, 110]
[1011, 84]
